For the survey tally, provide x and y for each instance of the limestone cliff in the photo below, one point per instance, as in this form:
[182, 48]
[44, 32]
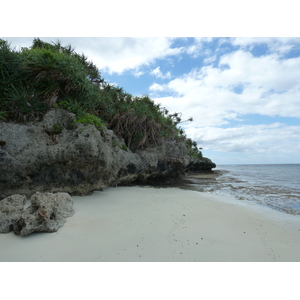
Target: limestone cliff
[58, 155]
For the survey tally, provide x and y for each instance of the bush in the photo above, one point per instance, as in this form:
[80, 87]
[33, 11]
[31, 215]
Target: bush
[49, 75]
[20, 101]
[35, 79]
[90, 119]
[194, 151]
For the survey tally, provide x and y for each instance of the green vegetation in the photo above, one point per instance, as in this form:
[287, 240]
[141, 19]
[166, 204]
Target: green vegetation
[57, 128]
[36, 79]
[90, 119]
[193, 149]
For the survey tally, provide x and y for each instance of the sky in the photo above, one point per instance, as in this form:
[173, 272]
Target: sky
[242, 93]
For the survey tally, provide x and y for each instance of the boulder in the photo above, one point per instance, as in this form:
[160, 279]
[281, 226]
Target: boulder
[11, 209]
[47, 213]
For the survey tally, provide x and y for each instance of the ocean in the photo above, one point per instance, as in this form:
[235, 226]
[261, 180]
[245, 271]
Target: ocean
[276, 186]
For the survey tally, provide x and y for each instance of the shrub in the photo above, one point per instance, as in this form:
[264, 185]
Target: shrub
[194, 151]
[35, 79]
[49, 75]
[90, 119]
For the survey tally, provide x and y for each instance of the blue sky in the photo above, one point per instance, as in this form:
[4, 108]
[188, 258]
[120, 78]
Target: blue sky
[243, 93]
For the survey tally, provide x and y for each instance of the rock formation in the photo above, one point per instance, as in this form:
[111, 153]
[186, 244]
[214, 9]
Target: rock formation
[58, 155]
[197, 165]
[47, 212]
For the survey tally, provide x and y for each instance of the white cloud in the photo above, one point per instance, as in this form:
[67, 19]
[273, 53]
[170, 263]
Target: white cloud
[242, 84]
[192, 50]
[268, 72]
[197, 47]
[280, 45]
[157, 73]
[120, 54]
[209, 59]
[138, 73]
[270, 140]
[116, 54]
[156, 87]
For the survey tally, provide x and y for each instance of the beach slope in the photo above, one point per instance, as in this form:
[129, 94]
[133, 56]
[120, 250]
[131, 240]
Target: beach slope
[162, 225]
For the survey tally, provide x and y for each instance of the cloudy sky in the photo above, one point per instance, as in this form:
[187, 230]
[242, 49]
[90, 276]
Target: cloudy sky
[243, 93]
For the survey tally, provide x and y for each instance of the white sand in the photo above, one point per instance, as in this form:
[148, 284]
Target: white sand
[150, 224]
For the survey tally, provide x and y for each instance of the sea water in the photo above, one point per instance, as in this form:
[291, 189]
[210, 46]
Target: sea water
[276, 186]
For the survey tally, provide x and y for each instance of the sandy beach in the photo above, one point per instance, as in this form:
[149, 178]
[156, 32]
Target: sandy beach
[132, 224]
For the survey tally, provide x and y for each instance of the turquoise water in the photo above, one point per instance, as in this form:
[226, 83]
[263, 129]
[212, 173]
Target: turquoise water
[276, 186]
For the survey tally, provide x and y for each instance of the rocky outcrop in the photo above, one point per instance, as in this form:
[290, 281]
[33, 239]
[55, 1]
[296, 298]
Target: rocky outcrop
[58, 155]
[47, 213]
[199, 165]
[164, 162]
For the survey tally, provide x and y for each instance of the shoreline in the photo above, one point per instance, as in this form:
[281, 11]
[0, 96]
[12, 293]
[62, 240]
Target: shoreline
[151, 224]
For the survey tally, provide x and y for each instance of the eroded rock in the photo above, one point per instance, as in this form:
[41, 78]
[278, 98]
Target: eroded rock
[47, 213]
[58, 155]
[198, 165]
[11, 209]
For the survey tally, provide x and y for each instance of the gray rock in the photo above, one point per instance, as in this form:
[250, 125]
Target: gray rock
[58, 155]
[58, 118]
[200, 165]
[11, 209]
[47, 213]
[164, 162]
